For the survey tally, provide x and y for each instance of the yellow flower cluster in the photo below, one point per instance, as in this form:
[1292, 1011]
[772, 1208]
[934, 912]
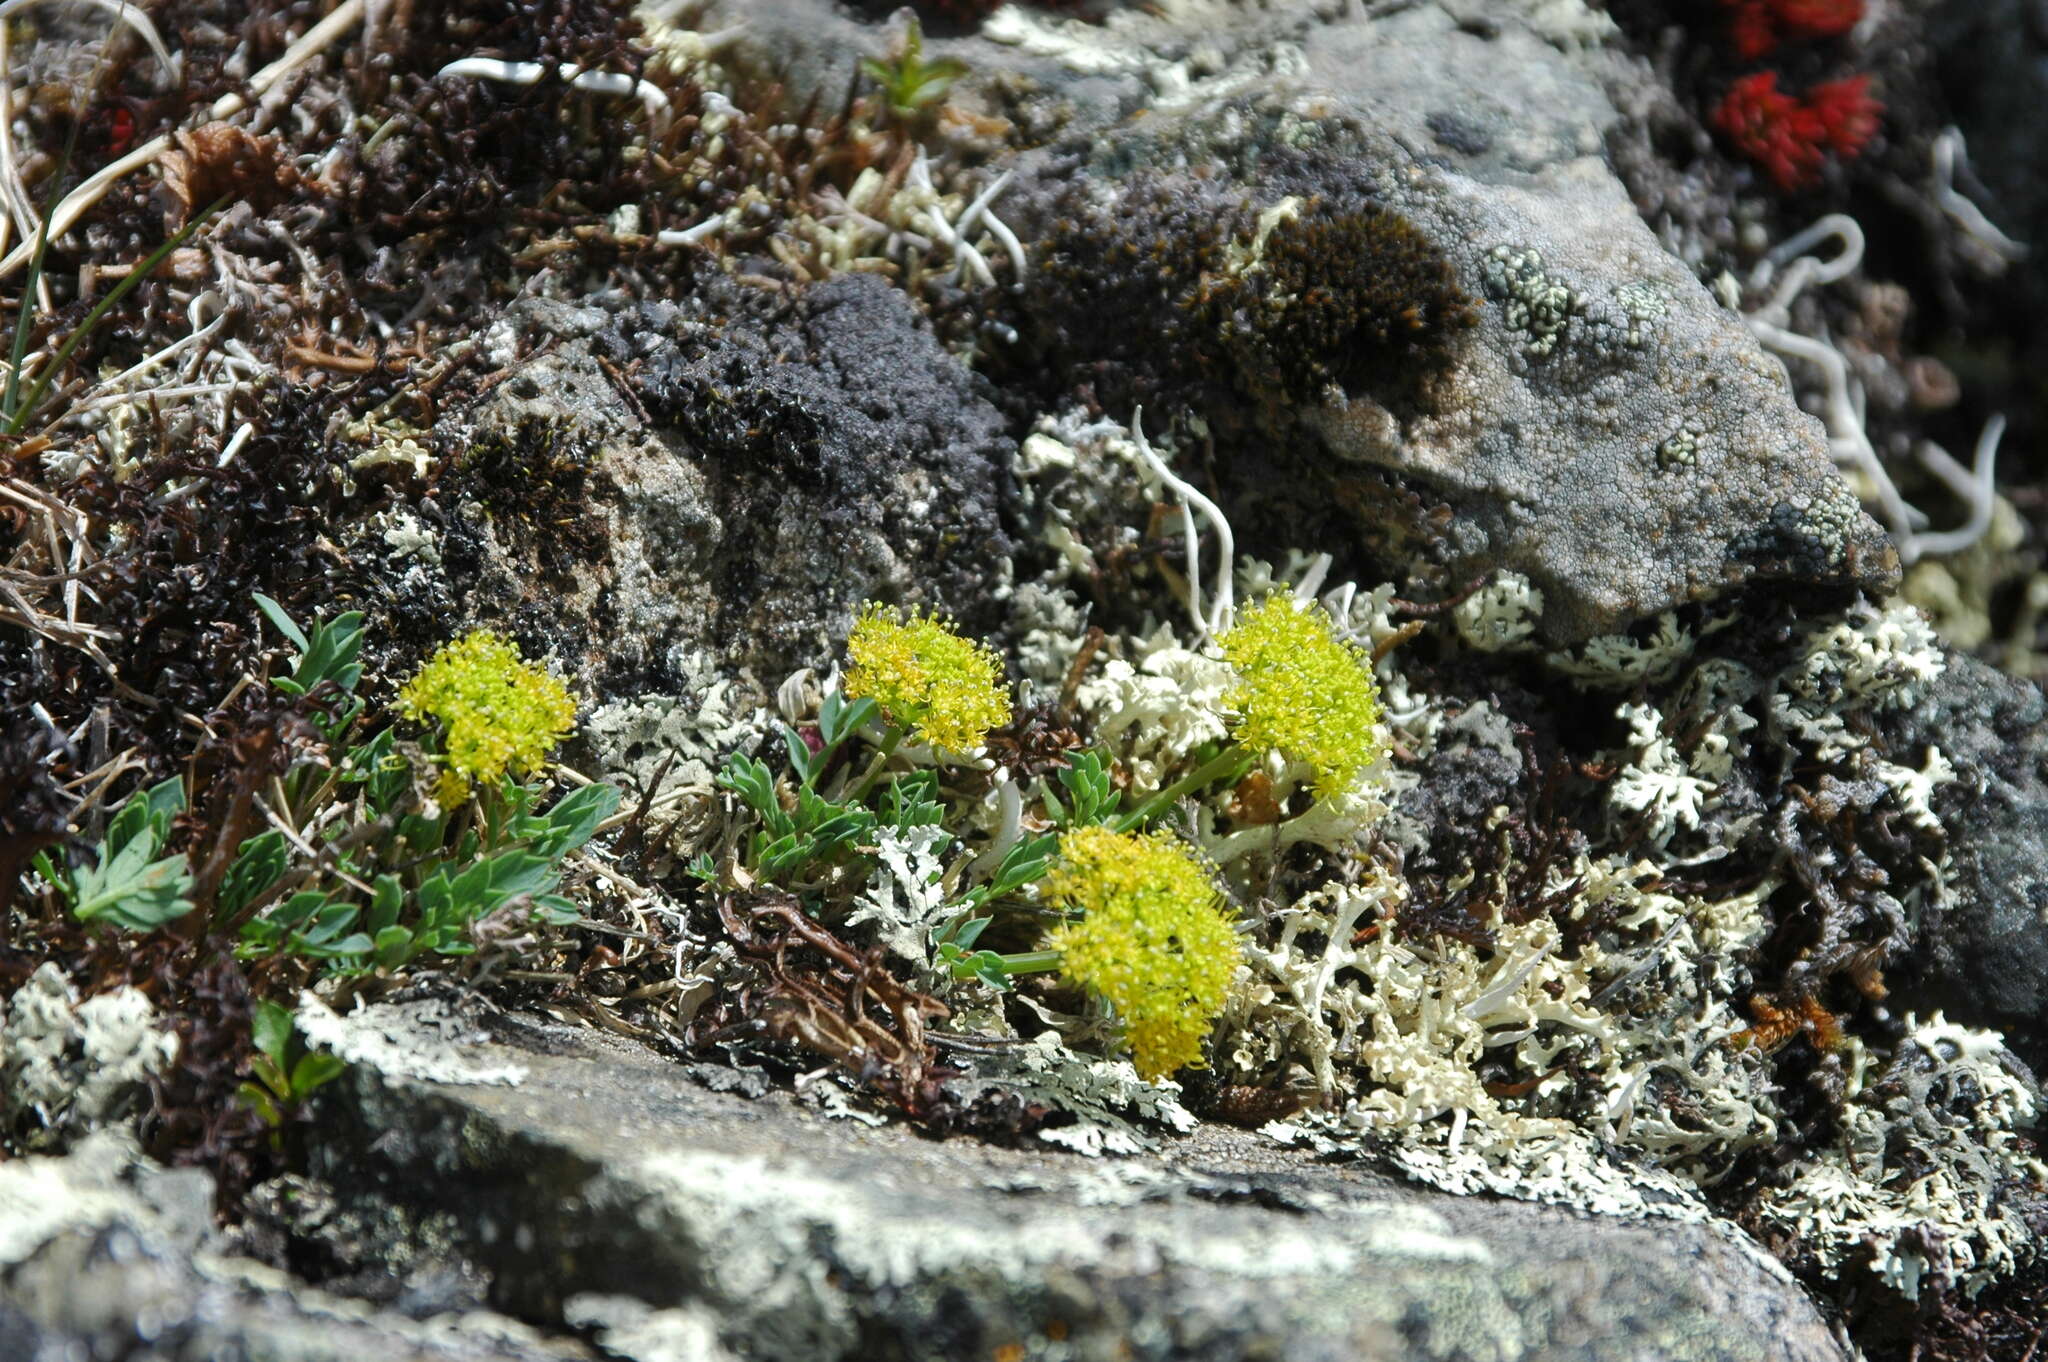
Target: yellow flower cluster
[1301, 690]
[925, 676]
[1153, 939]
[498, 713]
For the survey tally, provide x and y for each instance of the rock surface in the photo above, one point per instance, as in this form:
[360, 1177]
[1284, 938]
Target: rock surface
[1604, 427]
[1986, 950]
[751, 479]
[104, 1256]
[605, 1181]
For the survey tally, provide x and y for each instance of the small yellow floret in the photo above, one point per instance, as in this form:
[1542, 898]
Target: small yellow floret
[498, 713]
[1301, 690]
[925, 676]
[1153, 939]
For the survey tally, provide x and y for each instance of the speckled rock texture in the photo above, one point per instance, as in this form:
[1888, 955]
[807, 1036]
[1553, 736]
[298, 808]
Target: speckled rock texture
[606, 1172]
[1985, 953]
[104, 1256]
[1602, 426]
[750, 480]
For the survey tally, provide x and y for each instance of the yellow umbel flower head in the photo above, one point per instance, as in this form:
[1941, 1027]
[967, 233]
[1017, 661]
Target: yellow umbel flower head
[1153, 939]
[927, 677]
[1301, 690]
[497, 713]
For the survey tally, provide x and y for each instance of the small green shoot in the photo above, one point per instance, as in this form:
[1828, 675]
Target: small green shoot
[909, 83]
[286, 1074]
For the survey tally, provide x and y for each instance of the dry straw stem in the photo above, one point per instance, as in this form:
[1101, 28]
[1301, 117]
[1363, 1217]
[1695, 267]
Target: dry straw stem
[79, 201]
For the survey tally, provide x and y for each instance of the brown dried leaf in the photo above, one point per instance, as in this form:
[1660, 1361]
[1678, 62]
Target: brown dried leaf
[220, 159]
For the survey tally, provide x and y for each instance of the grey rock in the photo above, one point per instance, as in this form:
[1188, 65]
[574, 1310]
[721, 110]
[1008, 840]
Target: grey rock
[1606, 428]
[609, 1187]
[1983, 957]
[730, 478]
[104, 1256]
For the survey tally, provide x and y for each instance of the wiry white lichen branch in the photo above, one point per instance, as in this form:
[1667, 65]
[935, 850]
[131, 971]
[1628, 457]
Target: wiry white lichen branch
[1949, 153]
[1218, 618]
[589, 82]
[1842, 399]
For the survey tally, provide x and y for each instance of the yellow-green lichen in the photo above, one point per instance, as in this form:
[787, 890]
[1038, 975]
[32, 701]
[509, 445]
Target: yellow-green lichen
[498, 714]
[1152, 939]
[925, 677]
[1303, 691]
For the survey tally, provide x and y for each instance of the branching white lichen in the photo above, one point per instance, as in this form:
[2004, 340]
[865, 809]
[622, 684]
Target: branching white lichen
[1939, 1205]
[1501, 616]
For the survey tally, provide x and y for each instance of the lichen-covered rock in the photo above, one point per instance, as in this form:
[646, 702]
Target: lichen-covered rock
[607, 1177]
[730, 478]
[1291, 240]
[103, 1255]
[1606, 429]
[1982, 951]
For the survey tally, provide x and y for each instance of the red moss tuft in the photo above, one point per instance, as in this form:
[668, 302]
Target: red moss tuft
[1790, 136]
[1756, 27]
[1847, 112]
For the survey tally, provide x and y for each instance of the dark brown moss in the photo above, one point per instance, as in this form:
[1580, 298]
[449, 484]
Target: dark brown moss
[1357, 297]
[1172, 294]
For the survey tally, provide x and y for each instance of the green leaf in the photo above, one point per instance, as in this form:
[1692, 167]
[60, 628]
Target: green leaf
[801, 759]
[280, 621]
[315, 1070]
[387, 897]
[271, 1028]
[1092, 797]
[257, 865]
[912, 801]
[127, 885]
[839, 720]
[754, 783]
[393, 947]
[47, 868]
[574, 818]
[260, 1101]
[384, 775]
[556, 911]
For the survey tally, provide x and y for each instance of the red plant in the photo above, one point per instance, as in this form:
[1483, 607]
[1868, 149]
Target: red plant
[1758, 26]
[1789, 136]
[1848, 114]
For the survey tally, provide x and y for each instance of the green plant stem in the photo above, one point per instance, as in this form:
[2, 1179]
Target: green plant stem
[1230, 764]
[1032, 962]
[19, 416]
[891, 740]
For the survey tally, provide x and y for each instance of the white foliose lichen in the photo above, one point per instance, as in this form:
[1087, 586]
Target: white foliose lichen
[1940, 1204]
[1113, 1108]
[1501, 616]
[689, 733]
[66, 1067]
[1623, 662]
[904, 902]
[1156, 705]
[1655, 789]
[1870, 660]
